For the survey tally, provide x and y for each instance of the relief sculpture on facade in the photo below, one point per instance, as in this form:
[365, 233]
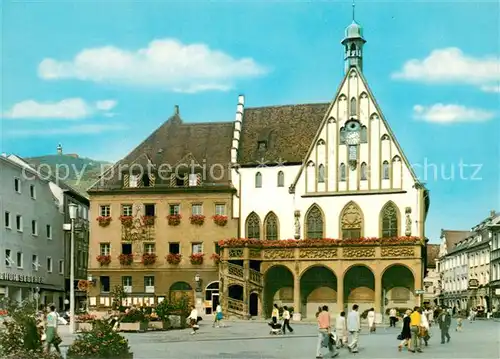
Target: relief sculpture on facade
[314, 253]
[254, 253]
[297, 224]
[408, 221]
[279, 254]
[398, 252]
[351, 217]
[359, 252]
[235, 253]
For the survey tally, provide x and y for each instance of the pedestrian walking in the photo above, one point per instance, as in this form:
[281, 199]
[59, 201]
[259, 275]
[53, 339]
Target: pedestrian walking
[341, 330]
[415, 320]
[353, 326]
[324, 334]
[444, 321]
[393, 317]
[51, 335]
[275, 314]
[371, 320]
[459, 325]
[286, 320]
[218, 317]
[193, 320]
[405, 335]
[424, 328]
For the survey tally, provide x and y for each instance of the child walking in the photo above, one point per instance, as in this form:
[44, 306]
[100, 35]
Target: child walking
[459, 325]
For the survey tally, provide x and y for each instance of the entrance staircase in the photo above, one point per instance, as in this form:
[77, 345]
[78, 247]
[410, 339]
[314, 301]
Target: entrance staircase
[235, 274]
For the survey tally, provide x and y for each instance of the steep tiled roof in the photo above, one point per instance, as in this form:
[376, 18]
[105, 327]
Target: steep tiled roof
[453, 237]
[176, 144]
[432, 255]
[289, 131]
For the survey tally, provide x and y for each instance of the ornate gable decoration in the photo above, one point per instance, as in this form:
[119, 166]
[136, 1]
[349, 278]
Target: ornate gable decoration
[351, 217]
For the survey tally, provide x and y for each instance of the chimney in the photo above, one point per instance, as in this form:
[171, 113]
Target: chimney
[176, 109]
[493, 213]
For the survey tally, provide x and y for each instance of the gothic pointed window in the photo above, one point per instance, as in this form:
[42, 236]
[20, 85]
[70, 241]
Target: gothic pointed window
[389, 219]
[385, 170]
[342, 172]
[364, 170]
[353, 108]
[281, 179]
[321, 174]
[314, 223]
[253, 226]
[271, 226]
[258, 180]
[351, 221]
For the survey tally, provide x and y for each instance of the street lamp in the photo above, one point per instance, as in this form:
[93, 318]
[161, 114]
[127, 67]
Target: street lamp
[72, 215]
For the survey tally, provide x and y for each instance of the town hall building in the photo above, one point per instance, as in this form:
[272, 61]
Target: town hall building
[332, 180]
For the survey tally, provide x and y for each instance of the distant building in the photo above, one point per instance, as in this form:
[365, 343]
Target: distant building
[495, 263]
[432, 279]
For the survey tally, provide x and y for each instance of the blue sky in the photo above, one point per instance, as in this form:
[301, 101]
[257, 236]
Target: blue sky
[443, 106]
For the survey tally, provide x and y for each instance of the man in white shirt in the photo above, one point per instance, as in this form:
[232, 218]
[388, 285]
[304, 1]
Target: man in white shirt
[353, 326]
[193, 319]
[286, 320]
[392, 317]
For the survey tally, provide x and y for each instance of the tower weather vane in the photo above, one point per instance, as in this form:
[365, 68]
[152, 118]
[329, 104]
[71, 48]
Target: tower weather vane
[353, 9]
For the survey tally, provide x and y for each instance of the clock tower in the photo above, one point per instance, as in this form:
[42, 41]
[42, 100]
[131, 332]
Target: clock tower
[353, 45]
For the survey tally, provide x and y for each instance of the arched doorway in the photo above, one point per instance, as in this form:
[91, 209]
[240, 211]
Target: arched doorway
[318, 287]
[398, 285]
[359, 287]
[253, 304]
[179, 290]
[212, 296]
[278, 288]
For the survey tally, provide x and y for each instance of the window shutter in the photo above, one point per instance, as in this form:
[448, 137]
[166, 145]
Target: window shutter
[126, 180]
[172, 180]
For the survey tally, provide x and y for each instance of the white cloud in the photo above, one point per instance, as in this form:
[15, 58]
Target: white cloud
[90, 129]
[445, 114]
[165, 64]
[68, 109]
[494, 88]
[451, 65]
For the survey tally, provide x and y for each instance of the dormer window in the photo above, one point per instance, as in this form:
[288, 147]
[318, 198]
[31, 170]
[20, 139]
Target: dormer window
[133, 181]
[146, 180]
[262, 145]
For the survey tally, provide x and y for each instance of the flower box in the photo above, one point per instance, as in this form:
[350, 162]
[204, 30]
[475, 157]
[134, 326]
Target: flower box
[134, 327]
[126, 259]
[177, 321]
[174, 258]
[160, 325]
[104, 221]
[216, 258]
[127, 221]
[84, 326]
[197, 219]
[148, 220]
[148, 258]
[104, 260]
[174, 219]
[220, 220]
[196, 258]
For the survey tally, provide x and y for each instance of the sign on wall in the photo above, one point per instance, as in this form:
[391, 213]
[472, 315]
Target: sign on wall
[473, 283]
[14, 277]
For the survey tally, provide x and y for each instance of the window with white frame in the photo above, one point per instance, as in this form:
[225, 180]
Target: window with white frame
[34, 228]
[105, 249]
[126, 210]
[61, 266]
[48, 231]
[196, 209]
[105, 210]
[127, 283]
[17, 185]
[7, 220]
[32, 191]
[19, 223]
[220, 209]
[34, 262]
[174, 209]
[19, 260]
[49, 264]
[196, 248]
[149, 282]
[149, 248]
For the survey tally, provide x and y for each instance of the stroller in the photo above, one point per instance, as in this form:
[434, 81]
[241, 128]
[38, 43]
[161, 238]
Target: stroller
[276, 328]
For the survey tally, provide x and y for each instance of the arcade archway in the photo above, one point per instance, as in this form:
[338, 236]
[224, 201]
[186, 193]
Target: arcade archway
[278, 288]
[359, 287]
[398, 285]
[318, 287]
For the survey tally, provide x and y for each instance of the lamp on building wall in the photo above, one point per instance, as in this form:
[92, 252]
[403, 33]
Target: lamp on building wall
[72, 208]
[197, 279]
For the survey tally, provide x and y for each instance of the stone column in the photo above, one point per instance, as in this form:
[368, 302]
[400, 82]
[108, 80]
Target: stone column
[340, 294]
[297, 315]
[246, 277]
[378, 293]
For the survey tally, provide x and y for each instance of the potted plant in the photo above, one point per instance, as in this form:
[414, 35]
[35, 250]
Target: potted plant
[196, 258]
[126, 259]
[104, 221]
[134, 321]
[173, 313]
[148, 258]
[216, 258]
[174, 258]
[174, 219]
[84, 321]
[104, 260]
[148, 220]
[100, 342]
[197, 219]
[220, 220]
[127, 221]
